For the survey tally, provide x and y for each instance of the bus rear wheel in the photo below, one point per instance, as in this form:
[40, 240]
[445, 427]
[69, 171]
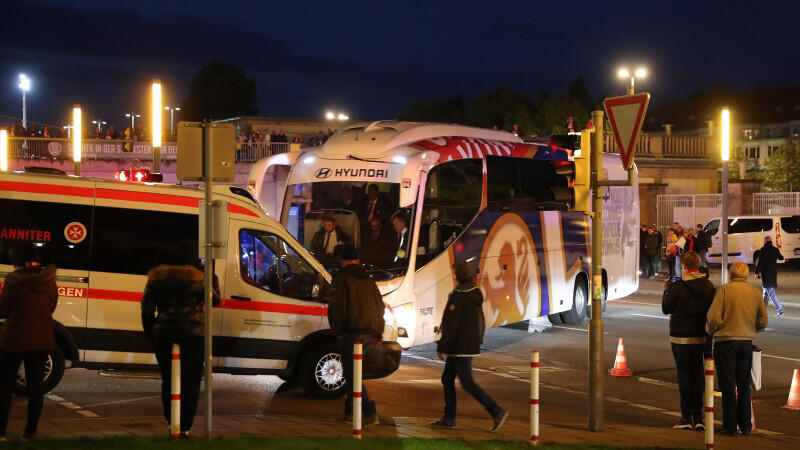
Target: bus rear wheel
[580, 296]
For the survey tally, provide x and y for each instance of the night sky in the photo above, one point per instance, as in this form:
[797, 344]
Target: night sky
[371, 59]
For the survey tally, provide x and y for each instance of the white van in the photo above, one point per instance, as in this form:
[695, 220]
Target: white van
[104, 236]
[746, 235]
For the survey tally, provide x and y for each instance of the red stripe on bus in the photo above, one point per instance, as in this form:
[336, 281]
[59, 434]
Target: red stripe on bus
[39, 188]
[236, 209]
[284, 308]
[109, 294]
[148, 197]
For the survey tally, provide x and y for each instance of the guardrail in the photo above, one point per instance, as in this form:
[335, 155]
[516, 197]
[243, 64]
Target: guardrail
[116, 149]
[695, 147]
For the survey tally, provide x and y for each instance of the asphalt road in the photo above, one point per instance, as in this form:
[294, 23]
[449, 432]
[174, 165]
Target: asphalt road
[649, 398]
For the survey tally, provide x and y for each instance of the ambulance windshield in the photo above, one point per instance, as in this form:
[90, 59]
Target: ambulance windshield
[325, 215]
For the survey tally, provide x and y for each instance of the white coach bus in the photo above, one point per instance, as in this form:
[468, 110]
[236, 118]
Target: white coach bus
[416, 197]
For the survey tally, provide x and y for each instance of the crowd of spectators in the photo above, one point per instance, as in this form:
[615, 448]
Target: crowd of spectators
[16, 129]
[271, 136]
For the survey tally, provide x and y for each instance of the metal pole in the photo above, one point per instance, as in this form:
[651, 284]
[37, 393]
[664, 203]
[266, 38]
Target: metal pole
[630, 88]
[175, 398]
[357, 364]
[209, 275]
[596, 375]
[171, 121]
[723, 223]
[708, 410]
[535, 397]
[24, 110]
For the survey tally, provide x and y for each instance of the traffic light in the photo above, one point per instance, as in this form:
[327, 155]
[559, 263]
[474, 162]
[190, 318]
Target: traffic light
[577, 170]
[583, 174]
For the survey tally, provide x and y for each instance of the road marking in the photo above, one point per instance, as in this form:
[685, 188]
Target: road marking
[648, 407]
[117, 402]
[71, 406]
[634, 303]
[573, 329]
[648, 315]
[781, 357]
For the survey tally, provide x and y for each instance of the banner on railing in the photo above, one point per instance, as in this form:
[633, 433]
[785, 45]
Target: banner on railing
[92, 149]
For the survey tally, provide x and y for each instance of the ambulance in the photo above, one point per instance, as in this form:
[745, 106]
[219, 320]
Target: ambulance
[104, 236]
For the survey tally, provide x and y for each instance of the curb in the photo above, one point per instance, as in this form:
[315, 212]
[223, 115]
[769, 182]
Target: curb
[660, 293]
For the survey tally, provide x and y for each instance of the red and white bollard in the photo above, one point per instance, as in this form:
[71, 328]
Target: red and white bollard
[708, 410]
[535, 397]
[357, 363]
[175, 403]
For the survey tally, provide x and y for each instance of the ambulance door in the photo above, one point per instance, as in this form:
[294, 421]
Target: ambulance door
[271, 300]
[57, 219]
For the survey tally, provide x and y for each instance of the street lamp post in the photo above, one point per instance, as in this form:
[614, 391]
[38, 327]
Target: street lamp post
[156, 128]
[171, 118]
[133, 117]
[99, 124]
[625, 73]
[76, 139]
[725, 150]
[25, 85]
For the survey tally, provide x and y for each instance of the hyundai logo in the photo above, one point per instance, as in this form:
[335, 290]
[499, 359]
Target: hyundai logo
[323, 173]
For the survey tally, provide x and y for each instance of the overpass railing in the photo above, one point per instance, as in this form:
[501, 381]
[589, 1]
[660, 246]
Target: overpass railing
[117, 149]
[692, 147]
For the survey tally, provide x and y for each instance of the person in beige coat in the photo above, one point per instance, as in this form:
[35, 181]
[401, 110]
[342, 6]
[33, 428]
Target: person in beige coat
[735, 316]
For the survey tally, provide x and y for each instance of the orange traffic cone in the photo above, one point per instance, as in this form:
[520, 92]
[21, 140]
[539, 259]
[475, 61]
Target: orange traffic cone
[794, 392]
[621, 363]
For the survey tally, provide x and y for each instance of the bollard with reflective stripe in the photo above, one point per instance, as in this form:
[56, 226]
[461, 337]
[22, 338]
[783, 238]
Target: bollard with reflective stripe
[708, 411]
[357, 360]
[175, 403]
[535, 397]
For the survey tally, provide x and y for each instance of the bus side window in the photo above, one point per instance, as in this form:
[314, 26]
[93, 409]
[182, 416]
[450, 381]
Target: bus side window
[452, 199]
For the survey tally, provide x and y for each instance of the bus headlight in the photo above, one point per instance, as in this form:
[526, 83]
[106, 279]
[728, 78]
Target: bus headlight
[405, 315]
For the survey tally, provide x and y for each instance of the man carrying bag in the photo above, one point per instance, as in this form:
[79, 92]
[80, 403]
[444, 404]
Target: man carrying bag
[355, 313]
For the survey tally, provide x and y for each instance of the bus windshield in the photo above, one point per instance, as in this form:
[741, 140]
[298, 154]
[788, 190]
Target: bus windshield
[327, 214]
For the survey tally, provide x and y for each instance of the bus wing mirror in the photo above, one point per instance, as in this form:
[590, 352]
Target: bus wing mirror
[411, 174]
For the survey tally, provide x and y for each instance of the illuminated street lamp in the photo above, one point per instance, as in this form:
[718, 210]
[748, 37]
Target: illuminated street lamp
[156, 131]
[76, 138]
[25, 85]
[99, 124]
[330, 115]
[641, 72]
[725, 153]
[171, 118]
[133, 117]
[3, 150]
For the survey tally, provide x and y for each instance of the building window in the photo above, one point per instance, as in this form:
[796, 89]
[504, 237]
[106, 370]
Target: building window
[748, 134]
[771, 149]
[753, 152]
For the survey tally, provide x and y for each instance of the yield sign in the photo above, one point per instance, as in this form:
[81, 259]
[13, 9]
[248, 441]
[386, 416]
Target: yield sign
[626, 115]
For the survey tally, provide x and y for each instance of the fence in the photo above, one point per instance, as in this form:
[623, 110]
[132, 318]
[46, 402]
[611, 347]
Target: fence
[59, 148]
[687, 210]
[695, 147]
[253, 151]
[774, 203]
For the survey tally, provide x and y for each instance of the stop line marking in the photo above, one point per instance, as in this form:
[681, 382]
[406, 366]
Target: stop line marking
[71, 406]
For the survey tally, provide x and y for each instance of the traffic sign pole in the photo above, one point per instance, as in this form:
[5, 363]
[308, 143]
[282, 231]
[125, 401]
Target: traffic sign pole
[596, 374]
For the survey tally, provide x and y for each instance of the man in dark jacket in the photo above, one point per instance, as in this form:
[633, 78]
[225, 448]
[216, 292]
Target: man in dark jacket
[702, 243]
[27, 302]
[172, 312]
[687, 301]
[652, 252]
[767, 270]
[327, 238]
[376, 242]
[355, 313]
[462, 330]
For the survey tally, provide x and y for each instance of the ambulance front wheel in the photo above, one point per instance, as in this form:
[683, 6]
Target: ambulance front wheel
[53, 372]
[322, 372]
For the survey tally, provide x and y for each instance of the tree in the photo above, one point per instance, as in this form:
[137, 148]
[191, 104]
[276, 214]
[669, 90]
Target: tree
[451, 110]
[220, 90]
[783, 169]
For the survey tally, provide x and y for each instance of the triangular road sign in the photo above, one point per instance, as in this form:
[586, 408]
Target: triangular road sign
[626, 115]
